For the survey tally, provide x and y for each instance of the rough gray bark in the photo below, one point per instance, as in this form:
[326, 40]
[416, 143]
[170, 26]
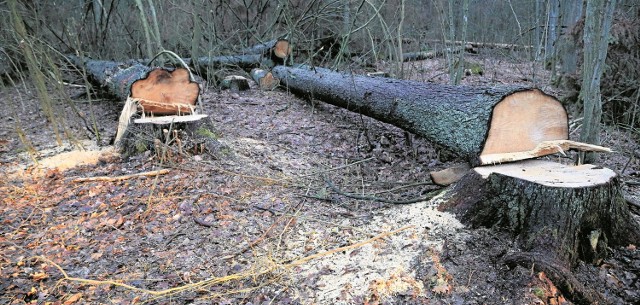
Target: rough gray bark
[553, 15]
[115, 77]
[456, 117]
[598, 18]
[244, 62]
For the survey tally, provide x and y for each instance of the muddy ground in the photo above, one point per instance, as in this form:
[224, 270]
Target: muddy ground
[256, 221]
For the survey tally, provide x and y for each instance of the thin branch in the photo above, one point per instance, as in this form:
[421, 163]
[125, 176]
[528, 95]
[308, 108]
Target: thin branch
[378, 199]
[124, 177]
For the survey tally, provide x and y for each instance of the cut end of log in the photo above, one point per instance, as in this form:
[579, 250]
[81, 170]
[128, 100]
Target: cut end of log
[166, 92]
[282, 49]
[523, 120]
[265, 79]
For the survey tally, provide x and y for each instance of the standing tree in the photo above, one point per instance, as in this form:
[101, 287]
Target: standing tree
[598, 18]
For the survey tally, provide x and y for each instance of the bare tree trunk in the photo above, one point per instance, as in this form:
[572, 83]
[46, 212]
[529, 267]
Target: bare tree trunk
[552, 33]
[571, 14]
[538, 30]
[465, 21]
[599, 15]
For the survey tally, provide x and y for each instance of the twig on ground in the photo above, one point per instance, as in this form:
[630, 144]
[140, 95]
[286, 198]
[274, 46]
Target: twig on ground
[378, 199]
[264, 235]
[120, 178]
[337, 168]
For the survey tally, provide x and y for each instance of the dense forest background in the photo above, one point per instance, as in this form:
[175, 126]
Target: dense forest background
[341, 34]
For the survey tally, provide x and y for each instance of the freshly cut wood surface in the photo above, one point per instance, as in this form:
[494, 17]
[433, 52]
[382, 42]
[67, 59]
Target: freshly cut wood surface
[164, 92]
[282, 48]
[265, 79]
[524, 119]
[551, 173]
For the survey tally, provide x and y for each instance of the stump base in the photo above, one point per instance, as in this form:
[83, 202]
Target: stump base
[569, 212]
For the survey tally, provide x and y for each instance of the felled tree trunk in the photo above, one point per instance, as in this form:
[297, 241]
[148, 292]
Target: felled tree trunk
[265, 79]
[278, 50]
[422, 55]
[266, 55]
[158, 91]
[479, 124]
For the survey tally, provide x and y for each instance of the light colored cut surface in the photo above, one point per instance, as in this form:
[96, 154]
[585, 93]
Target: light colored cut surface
[449, 175]
[524, 119]
[164, 92]
[551, 174]
[282, 49]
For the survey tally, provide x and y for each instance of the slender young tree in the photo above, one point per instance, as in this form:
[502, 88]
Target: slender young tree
[598, 18]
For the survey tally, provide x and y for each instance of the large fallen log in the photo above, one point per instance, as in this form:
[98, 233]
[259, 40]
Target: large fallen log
[479, 124]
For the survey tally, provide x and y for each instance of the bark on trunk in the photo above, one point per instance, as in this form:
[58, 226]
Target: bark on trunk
[414, 56]
[471, 122]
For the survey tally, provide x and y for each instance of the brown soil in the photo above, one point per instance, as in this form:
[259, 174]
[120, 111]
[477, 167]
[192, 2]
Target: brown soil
[257, 222]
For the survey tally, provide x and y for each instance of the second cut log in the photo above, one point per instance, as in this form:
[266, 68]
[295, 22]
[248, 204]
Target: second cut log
[479, 124]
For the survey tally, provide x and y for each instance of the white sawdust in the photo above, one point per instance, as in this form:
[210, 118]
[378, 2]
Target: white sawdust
[382, 268]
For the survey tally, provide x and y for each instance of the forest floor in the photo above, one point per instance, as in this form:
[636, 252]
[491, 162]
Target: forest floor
[256, 222]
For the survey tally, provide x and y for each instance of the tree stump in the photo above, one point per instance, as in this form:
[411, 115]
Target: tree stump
[558, 214]
[170, 137]
[569, 212]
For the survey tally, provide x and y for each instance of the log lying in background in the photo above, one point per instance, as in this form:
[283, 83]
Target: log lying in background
[474, 123]
[278, 50]
[415, 56]
[267, 55]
